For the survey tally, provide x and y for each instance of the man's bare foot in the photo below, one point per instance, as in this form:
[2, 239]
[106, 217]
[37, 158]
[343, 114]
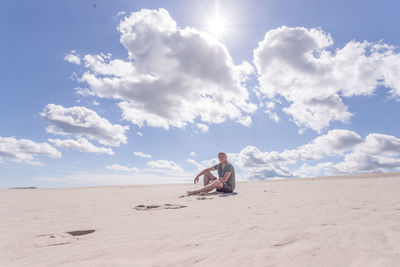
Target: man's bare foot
[189, 193]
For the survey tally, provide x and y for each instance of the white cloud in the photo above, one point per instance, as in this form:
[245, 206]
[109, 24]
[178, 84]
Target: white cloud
[269, 171]
[164, 164]
[260, 165]
[272, 115]
[73, 58]
[24, 150]
[121, 168]
[334, 143]
[81, 144]
[192, 154]
[195, 163]
[80, 121]
[320, 169]
[317, 113]
[355, 162]
[377, 153]
[121, 13]
[295, 63]
[353, 154]
[139, 133]
[173, 77]
[202, 127]
[83, 91]
[205, 163]
[141, 154]
[380, 144]
[391, 71]
[270, 105]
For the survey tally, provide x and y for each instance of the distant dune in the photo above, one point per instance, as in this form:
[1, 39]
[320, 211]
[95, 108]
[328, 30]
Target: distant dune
[323, 221]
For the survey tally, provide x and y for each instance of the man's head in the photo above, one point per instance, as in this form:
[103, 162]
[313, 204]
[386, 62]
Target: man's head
[222, 157]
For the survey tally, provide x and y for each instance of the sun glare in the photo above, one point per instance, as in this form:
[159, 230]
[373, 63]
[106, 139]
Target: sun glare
[217, 24]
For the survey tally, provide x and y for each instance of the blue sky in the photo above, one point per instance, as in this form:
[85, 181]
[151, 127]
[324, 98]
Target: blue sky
[286, 88]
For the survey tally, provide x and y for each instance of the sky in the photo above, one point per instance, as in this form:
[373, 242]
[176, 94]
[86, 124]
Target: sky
[148, 92]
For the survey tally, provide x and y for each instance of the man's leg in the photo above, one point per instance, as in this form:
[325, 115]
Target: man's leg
[207, 188]
[208, 177]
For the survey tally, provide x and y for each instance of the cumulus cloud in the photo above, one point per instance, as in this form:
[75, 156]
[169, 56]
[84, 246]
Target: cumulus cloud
[174, 76]
[380, 144]
[80, 121]
[81, 144]
[73, 58]
[375, 153]
[334, 143]
[141, 154]
[192, 154]
[121, 168]
[164, 164]
[297, 65]
[269, 171]
[24, 150]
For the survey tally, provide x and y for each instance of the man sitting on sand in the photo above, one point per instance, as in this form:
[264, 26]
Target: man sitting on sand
[226, 181]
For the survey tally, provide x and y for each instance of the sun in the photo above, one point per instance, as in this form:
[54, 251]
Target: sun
[217, 24]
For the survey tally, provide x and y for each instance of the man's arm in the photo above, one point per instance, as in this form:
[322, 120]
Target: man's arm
[203, 172]
[226, 177]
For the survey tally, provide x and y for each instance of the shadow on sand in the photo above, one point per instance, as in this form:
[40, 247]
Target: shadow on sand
[221, 194]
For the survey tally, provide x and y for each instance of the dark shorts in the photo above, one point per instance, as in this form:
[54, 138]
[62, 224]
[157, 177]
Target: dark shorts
[226, 188]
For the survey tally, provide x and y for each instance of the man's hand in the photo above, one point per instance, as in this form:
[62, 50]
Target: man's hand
[196, 180]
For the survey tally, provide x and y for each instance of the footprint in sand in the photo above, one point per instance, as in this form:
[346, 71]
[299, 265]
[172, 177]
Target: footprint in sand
[61, 239]
[291, 239]
[285, 242]
[81, 232]
[165, 206]
[146, 207]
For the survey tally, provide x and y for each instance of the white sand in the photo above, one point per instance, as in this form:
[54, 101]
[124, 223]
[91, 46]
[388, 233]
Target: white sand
[298, 222]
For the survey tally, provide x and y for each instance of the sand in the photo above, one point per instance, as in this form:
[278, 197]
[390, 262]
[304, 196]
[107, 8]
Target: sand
[339, 221]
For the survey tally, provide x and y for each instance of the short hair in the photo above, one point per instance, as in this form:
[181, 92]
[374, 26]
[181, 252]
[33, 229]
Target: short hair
[221, 153]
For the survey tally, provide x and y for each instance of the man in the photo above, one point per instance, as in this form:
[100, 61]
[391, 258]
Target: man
[226, 174]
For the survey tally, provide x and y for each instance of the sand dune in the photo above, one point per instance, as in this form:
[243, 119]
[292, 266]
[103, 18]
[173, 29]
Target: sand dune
[339, 221]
